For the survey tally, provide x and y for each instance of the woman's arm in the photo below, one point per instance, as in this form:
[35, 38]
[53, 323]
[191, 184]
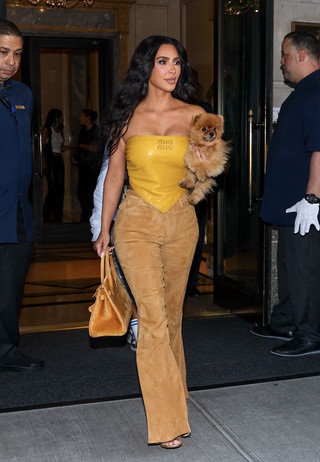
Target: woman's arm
[95, 219]
[112, 191]
[87, 147]
[69, 147]
[44, 137]
[43, 140]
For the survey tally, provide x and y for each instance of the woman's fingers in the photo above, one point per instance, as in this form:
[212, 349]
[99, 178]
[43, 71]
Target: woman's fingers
[102, 249]
[101, 245]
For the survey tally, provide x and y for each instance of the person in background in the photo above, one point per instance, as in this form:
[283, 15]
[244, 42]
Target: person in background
[16, 220]
[291, 200]
[52, 146]
[88, 174]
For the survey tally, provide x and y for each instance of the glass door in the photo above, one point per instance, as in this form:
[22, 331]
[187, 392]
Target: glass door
[69, 75]
[243, 76]
[69, 81]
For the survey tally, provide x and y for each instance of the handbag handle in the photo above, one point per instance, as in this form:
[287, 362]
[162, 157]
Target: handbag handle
[105, 272]
[113, 270]
[102, 262]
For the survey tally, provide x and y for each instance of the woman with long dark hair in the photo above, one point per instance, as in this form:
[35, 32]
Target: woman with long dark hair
[53, 140]
[156, 229]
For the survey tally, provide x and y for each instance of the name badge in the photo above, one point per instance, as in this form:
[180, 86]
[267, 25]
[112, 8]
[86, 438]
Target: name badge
[17, 106]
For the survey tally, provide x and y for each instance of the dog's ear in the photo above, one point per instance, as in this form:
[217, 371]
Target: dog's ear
[221, 118]
[195, 117]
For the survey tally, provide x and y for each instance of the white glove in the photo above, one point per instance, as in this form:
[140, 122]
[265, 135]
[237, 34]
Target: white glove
[307, 215]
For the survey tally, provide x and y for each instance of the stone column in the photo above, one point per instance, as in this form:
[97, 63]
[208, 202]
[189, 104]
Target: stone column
[124, 31]
[2, 9]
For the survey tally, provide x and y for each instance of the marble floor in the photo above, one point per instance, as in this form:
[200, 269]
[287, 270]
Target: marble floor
[62, 280]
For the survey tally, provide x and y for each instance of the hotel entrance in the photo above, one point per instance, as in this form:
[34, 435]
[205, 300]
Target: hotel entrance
[243, 94]
[79, 73]
[70, 75]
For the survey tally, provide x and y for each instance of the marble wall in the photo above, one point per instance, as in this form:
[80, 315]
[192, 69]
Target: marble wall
[104, 19]
[153, 17]
[286, 12]
[197, 37]
[61, 18]
[189, 21]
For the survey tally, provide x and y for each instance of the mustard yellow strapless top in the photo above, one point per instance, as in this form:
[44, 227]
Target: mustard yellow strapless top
[155, 166]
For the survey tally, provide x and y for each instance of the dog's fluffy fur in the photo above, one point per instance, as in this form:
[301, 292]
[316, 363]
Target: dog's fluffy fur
[205, 132]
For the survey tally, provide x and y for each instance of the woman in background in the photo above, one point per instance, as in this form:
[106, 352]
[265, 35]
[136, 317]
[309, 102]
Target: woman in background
[52, 146]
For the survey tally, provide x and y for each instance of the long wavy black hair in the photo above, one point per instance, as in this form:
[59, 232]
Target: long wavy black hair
[135, 88]
[53, 117]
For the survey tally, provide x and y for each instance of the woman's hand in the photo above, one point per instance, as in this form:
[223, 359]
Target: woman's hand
[86, 147]
[200, 153]
[68, 147]
[226, 167]
[101, 244]
[73, 160]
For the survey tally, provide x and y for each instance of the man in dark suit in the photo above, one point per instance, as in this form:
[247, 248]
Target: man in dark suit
[16, 221]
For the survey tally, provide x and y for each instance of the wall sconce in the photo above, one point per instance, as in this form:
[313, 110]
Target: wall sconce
[236, 7]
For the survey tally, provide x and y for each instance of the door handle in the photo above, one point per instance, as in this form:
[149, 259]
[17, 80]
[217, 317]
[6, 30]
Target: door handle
[251, 125]
[250, 128]
[38, 137]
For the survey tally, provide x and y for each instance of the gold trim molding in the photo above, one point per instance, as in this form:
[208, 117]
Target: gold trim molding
[119, 8]
[66, 4]
[94, 4]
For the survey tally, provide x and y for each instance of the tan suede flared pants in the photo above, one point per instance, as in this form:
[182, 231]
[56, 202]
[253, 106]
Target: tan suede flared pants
[155, 250]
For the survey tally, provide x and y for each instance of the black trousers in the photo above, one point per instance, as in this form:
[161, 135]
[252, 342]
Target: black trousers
[15, 261]
[298, 264]
[87, 181]
[53, 203]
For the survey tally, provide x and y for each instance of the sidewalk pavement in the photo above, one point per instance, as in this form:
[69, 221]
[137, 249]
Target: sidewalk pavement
[266, 422]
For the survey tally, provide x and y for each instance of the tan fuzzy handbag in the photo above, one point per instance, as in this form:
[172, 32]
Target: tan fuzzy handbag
[112, 310]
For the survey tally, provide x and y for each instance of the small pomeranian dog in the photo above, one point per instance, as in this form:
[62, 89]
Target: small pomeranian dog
[205, 132]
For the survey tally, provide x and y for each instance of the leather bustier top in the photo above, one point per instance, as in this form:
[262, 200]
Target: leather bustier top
[155, 166]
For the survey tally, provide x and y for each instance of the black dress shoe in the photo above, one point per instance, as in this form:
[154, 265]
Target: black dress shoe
[23, 364]
[267, 332]
[297, 347]
[193, 292]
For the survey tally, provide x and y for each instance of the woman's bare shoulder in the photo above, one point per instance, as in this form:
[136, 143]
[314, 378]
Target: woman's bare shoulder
[188, 110]
[193, 109]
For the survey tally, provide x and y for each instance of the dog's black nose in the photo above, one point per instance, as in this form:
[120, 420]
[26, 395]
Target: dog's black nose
[212, 135]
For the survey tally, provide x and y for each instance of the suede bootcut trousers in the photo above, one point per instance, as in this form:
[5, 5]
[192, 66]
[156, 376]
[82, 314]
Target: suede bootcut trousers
[155, 251]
